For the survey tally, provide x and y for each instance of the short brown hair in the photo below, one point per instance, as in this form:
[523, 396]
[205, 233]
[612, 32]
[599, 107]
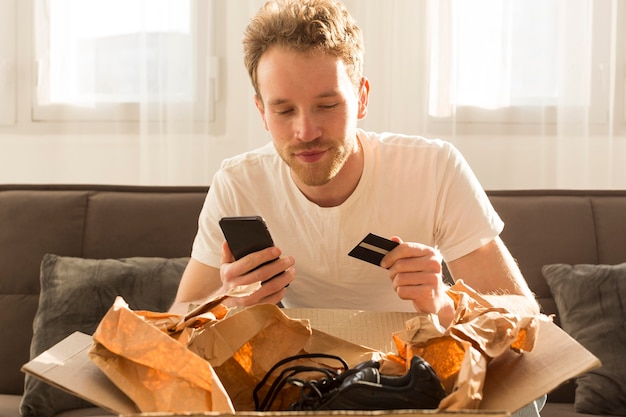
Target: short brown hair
[305, 26]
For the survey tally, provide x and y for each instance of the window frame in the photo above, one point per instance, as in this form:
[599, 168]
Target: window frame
[19, 69]
[542, 120]
[201, 110]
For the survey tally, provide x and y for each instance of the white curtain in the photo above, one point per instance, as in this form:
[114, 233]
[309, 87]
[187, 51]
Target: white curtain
[186, 144]
[174, 125]
[532, 91]
[140, 76]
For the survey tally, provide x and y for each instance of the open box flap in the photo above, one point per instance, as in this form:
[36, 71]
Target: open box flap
[513, 380]
[67, 366]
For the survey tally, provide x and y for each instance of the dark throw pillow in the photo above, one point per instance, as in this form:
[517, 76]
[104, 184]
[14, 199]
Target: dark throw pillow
[591, 300]
[75, 294]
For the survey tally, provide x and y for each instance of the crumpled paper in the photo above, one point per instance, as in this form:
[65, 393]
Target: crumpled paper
[459, 355]
[139, 352]
[212, 359]
[245, 346]
[169, 363]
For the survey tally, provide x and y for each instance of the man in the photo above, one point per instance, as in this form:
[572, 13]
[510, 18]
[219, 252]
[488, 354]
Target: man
[323, 184]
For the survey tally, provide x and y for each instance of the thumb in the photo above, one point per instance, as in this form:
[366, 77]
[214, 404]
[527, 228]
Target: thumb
[227, 255]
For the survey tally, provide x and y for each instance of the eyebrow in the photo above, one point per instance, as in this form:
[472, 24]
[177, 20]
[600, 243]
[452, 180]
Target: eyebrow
[279, 101]
[276, 102]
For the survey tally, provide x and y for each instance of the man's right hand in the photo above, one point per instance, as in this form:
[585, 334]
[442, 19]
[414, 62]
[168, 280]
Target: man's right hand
[266, 267]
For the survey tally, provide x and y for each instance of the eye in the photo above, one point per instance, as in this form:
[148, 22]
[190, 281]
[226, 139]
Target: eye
[283, 112]
[329, 106]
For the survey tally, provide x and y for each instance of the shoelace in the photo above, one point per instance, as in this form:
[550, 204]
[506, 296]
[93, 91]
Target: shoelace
[311, 390]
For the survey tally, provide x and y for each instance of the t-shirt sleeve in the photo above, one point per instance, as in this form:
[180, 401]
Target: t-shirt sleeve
[466, 220]
[207, 245]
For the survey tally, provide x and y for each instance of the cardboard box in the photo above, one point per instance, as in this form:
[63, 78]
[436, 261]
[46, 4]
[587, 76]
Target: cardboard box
[512, 381]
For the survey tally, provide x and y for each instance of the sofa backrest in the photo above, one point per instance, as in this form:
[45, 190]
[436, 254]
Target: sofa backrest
[542, 227]
[82, 221]
[545, 227]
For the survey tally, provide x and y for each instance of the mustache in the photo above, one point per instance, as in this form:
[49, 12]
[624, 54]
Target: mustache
[315, 145]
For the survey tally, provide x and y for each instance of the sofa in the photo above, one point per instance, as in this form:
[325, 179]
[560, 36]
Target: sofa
[44, 227]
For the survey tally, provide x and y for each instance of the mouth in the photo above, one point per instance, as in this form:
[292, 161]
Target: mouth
[310, 156]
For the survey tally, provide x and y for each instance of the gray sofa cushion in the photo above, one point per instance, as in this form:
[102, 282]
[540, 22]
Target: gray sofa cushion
[75, 294]
[591, 300]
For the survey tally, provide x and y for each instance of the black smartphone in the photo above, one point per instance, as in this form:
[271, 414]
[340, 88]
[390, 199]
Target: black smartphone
[246, 234]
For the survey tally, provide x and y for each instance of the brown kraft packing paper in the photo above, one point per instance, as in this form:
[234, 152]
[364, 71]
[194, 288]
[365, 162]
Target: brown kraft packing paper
[165, 363]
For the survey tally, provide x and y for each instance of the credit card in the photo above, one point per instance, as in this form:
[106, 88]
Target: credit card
[372, 249]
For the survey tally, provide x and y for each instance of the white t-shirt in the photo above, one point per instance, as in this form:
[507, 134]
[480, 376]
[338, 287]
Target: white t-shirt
[418, 189]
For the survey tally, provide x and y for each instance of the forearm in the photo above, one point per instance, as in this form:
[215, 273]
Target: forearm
[518, 304]
[198, 282]
[492, 272]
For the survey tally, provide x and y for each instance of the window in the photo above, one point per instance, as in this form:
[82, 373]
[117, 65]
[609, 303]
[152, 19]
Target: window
[512, 61]
[122, 59]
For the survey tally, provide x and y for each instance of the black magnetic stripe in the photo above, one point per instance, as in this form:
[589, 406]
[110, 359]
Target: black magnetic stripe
[380, 242]
[366, 255]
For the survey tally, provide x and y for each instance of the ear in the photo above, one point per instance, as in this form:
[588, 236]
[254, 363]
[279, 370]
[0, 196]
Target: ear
[364, 92]
[258, 102]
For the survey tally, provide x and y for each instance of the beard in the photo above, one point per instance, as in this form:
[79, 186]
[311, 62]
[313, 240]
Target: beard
[320, 172]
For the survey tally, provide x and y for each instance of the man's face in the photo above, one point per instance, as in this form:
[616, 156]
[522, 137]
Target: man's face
[311, 108]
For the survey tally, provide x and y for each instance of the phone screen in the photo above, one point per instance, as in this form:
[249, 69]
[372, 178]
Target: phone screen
[245, 234]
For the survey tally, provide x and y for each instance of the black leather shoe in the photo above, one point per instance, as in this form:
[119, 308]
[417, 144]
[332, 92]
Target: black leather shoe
[365, 388]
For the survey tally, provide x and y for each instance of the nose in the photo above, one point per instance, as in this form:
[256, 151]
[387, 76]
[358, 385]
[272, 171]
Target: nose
[306, 128]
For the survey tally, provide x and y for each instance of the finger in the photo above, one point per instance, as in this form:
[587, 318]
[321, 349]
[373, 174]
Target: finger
[276, 269]
[397, 239]
[256, 267]
[280, 280]
[252, 261]
[420, 288]
[270, 272]
[427, 263]
[417, 280]
[411, 250]
[405, 250]
[387, 260]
